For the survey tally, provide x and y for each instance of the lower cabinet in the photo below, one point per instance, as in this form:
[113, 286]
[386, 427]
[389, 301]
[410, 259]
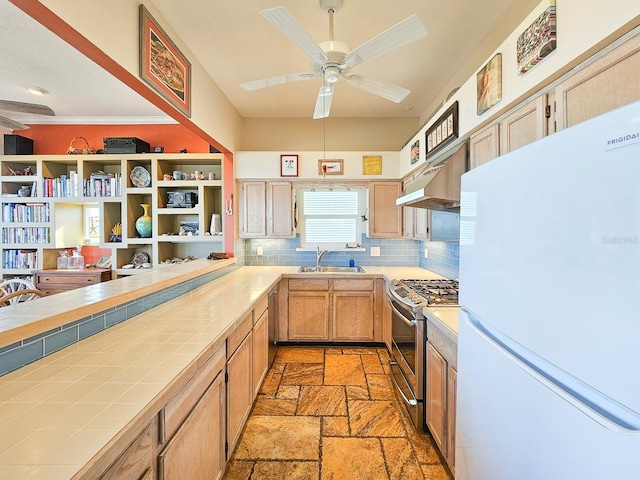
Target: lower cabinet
[260, 345]
[197, 448]
[138, 462]
[192, 425]
[440, 395]
[331, 310]
[239, 380]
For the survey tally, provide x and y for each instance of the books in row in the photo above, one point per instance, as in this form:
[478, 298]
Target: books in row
[25, 235]
[97, 185]
[27, 259]
[25, 212]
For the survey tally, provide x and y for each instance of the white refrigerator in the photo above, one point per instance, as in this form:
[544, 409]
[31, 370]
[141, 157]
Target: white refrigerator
[549, 329]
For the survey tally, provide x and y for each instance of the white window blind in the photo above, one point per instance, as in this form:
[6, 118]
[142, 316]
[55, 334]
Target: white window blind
[330, 217]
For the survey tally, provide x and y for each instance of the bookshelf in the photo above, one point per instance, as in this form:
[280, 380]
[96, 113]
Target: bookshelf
[43, 198]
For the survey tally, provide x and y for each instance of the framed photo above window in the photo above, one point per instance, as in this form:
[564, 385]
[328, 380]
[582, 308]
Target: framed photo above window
[288, 165]
[330, 166]
[372, 164]
[162, 65]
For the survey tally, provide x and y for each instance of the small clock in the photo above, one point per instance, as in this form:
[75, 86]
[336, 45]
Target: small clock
[182, 199]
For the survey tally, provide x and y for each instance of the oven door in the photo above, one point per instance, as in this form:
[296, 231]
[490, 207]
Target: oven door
[407, 359]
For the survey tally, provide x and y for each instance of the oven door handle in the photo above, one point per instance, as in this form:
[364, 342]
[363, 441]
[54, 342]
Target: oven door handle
[411, 323]
[413, 402]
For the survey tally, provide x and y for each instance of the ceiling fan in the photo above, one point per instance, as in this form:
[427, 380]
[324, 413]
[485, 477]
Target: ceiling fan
[334, 59]
[21, 107]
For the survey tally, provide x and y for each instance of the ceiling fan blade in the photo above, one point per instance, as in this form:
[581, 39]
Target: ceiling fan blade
[11, 125]
[407, 31]
[323, 103]
[23, 107]
[279, 80]
[381, 88]
[284, 21]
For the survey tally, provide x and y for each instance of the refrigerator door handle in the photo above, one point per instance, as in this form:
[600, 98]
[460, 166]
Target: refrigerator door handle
[596, 405]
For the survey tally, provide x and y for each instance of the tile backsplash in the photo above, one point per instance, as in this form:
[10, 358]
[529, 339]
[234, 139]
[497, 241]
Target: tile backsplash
[442, 256]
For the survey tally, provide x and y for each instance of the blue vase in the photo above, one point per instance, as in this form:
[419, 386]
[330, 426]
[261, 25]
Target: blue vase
[143, 223]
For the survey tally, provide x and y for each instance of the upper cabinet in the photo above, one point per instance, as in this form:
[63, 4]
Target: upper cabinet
[484, 145]
[525, 125]
[266, 209]
[386, 217]
[607, 83]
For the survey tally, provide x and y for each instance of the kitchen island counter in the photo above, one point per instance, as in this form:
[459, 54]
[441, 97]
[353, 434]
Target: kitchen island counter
[70, 414]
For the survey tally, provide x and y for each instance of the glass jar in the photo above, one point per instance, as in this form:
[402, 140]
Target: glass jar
[63, 259]
[76, 260]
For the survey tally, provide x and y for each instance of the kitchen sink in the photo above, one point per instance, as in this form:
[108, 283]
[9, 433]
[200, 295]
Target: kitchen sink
[313, 269]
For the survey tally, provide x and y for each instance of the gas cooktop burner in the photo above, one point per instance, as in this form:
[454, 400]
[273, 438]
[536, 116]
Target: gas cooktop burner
[433, 292]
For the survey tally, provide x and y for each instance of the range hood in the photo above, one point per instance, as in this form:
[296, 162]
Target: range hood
[438, 188]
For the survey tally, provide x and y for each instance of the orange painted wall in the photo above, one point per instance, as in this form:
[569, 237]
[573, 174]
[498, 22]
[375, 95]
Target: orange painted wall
[55, 139]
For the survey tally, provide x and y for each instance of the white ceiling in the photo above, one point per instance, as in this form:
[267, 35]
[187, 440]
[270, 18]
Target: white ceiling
[236, 44]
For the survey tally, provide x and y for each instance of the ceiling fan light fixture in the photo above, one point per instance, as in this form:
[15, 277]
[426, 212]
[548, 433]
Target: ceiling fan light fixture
[34, 90]
[331, 74]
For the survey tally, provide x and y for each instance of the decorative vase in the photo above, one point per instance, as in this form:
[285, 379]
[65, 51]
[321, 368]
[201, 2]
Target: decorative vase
[24, 191]
[143, 223]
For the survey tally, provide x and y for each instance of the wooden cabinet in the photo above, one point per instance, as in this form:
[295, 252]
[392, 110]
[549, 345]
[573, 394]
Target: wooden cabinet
[197, 448]
[138, 461]
[441, 388]
[331, 310]
[385, 217]
[525, 125]
[308, 311]
[253, 203]
[607, 83]
[266, 209]
[352, 312]
[56, 281]
[280, 209]
[436, 396]
[192, 425]
[452, 389]
[240, 391]
[484, 146]
[260, 340]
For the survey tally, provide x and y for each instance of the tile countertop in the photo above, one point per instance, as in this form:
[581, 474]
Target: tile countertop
[58, 413]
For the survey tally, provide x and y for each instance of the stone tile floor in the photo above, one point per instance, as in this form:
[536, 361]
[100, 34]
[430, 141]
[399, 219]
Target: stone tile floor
[330, 413]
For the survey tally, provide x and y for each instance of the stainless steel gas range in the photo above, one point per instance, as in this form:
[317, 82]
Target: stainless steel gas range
[408, 298]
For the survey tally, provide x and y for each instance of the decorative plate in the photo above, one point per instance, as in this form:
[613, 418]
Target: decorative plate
[140, 177]
[139, 258]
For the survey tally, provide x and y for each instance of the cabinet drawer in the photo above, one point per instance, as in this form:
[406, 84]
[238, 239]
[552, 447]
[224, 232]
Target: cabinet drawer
[137, 461]
[181, 404]
[311, 284]
[68, 279]
[360, 284]
[235, 339]
[259, 308]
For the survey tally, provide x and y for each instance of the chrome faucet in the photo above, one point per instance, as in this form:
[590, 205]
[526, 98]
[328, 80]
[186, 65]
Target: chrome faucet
[319, 255]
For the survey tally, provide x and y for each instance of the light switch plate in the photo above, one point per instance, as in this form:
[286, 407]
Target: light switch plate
[375, 251]
[259, 251]
[426, 253]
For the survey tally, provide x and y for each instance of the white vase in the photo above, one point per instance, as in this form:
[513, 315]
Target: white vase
[216, 224]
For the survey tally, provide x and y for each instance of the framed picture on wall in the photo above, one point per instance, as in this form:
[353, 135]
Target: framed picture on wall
[288, 165]
[443, 131]
[162, 65]
[372, 164]
[489, 84]
[330, 166]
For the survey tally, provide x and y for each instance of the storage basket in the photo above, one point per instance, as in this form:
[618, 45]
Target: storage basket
[80, 151]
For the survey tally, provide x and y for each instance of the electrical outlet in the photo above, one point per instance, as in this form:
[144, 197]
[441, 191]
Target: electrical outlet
[375, 251]
[426, 253]
[259, 251]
